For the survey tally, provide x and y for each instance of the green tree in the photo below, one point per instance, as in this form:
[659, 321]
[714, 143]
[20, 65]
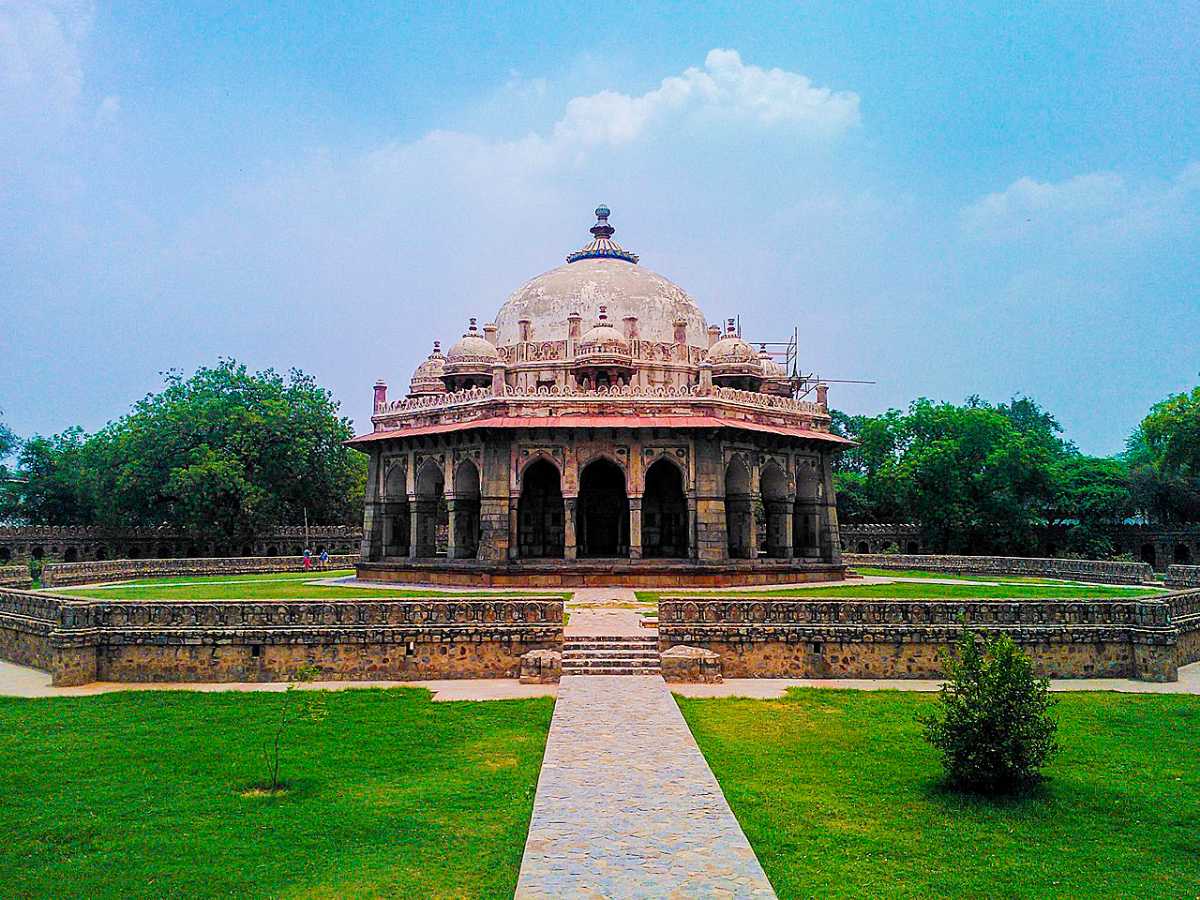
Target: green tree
[1163, 455]
[225, 451]
[992, 724]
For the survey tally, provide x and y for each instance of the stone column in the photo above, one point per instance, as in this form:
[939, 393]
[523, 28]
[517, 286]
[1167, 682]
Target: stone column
[451, 528]
[413, 527]
[693, 549]
[788, 550]
[570, 550]
[514, 550]
[635, 527]
[371, 548]
[752, 540]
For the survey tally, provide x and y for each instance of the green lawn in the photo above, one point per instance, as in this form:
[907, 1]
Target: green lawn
[926, 573]
[840, 796]
[923, 590]
[286, 586]
[139, 795]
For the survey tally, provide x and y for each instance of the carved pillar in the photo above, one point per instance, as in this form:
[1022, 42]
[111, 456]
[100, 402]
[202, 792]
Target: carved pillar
[513, 548]
[371, 548]
[693, 547]
[755, 505]
[570, 550]
[451, 528]
[635, 527]
[786, 514]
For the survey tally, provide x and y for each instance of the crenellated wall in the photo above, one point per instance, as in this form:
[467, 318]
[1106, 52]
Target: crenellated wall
[268, 640]
[1094, 570]
[65, 574]
[1144, 638]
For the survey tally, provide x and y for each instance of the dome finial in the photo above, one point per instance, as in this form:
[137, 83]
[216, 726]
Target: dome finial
[602, 246]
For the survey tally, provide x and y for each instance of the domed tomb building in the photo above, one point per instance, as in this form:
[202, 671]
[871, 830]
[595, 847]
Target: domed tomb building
[600, 431]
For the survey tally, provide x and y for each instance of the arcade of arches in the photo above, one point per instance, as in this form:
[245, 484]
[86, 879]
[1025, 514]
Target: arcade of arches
[623, 497]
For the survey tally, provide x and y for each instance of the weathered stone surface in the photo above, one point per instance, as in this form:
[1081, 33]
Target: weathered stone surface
[626, 805]
[245, 640]
[1072, 569]
[15, 576]
[1146, 638]
[1183, 576]
[695, 665]
[541, 667]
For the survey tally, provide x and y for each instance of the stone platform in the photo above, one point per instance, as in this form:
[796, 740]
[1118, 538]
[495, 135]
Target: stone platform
[620, 572]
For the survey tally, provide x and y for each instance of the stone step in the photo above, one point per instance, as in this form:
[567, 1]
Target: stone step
[644, 652]
[615, 662]
[628, 671]
[571, 643]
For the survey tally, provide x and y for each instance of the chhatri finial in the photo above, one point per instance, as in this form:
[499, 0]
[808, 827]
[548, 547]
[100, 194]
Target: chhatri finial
[602, 246]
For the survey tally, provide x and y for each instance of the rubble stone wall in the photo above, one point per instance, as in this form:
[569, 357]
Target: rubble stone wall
[1094, 570]
[65, 574]
[1183, 576]
[15, 576]
[775, 637]
[242, 640]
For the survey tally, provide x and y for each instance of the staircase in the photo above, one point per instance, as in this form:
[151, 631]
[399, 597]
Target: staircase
[622, 654]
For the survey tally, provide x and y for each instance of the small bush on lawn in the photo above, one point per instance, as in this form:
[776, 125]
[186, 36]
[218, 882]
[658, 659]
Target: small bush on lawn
[992, 724]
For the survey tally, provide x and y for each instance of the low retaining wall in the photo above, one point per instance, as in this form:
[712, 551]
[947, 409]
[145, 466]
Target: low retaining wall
[79, 641]
[65, 574]
[568, 573]
[1095, 570]
[1183, 576]
[15, 576]
[1144, 638]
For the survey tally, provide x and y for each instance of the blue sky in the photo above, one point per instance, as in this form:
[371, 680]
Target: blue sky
[945, 200]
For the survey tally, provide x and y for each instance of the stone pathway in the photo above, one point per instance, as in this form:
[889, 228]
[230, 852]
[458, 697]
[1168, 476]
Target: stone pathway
[626, 805]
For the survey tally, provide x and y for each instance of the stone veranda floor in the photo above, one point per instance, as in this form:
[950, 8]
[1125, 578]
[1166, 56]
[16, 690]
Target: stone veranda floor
[626, 805]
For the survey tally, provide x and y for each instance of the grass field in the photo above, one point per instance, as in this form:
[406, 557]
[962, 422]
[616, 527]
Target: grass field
[926, 590]
[286, 586]
[840, 796]
[139, 794]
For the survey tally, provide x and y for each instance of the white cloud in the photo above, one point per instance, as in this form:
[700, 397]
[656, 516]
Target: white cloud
[725, 86]
[108, 110]
[1096, 207]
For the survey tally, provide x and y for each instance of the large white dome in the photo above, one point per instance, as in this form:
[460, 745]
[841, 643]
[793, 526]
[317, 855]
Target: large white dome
[601, 273]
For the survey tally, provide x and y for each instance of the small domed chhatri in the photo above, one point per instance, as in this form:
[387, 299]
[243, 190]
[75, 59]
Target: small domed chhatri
[646, 447]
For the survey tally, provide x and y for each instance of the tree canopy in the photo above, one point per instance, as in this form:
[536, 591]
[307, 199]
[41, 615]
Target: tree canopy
[225, 451]
[1163, 455]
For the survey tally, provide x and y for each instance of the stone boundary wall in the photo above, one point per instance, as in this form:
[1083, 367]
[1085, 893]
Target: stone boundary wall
[1183, 576]
[79, 641]
[65, 574]
[76, 543]
[15, 576]
[1143, 638]
[1095, 570]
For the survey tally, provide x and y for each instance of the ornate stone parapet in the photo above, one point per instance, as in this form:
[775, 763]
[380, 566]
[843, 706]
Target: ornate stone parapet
[15, 576]
[776, 637]
[1183, 576]
[247, 640]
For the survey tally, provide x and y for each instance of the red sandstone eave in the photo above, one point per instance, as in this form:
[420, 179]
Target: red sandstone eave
[602, 422]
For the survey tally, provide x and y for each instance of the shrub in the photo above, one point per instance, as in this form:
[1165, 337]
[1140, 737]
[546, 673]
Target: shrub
[992, 724]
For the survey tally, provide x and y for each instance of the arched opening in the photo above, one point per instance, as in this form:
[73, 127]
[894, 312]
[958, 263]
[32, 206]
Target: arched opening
[466, 510]
[806, 518]
[603, 525]
[430, 508]
[739, 512]
[296, 551]
[397, 521]
[164, 552]
[862, 547]
[101, 553]
[540, 513]
[5, 555]
[70, 555]
[1183, 555]
[132, 553]
[664, 513]
[272, 550]
[37, 552]
[912, 548]
[778, 511]
[1148, 555]
[247, 550]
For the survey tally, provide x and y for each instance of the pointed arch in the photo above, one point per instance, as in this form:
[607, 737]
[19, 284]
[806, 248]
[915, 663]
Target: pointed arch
[429, 514]
[777, 507]
[739, 511]
[465, 514]
[664, 512]
[540, 533]
[602, 529]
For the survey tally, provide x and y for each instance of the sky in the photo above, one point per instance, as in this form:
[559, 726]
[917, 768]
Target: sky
[994, 200]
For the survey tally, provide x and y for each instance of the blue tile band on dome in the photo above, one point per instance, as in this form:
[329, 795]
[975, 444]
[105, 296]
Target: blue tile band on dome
[602, 246]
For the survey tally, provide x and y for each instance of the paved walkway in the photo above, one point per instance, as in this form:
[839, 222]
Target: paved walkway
[626, 805]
